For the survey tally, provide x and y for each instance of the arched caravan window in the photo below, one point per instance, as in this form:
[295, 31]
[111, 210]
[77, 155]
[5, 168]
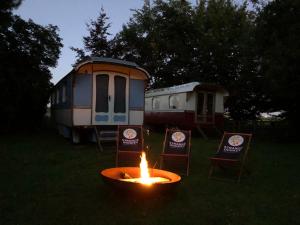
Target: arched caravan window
[155, 103]
[120, 94]
[173, 102]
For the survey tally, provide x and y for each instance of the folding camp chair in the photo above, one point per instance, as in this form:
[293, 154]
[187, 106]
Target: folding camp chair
[130, 143]
[232, 152]
[176, 150]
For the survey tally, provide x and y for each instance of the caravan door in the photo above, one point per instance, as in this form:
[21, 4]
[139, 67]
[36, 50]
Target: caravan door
[205, 107]
[110, 101]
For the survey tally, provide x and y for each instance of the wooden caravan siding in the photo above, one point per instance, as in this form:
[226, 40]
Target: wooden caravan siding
[136, 117]
[184, 119]
[82, 117]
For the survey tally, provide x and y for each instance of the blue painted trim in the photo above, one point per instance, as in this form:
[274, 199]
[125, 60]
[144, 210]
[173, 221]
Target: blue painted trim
[101, 117]
[119, 118]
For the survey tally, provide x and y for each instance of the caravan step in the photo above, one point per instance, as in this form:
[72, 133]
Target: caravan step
[108, 135]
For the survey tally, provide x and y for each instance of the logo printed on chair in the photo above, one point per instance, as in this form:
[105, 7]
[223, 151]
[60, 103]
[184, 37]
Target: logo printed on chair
[129, 133]
[176, 141]
[234, 141]
[177, 138]
[129, 137]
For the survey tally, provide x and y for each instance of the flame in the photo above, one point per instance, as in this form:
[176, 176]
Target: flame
[145, 177]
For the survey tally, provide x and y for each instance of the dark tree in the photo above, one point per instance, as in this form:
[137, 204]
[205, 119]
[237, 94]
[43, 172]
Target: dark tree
[6, 8]
[278, 38]
[96, 43]
[27, 50]
[212, 42]
[159, 37]
[225, 53]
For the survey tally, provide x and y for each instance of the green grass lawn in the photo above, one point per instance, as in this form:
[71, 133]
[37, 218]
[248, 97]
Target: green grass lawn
[47, 180]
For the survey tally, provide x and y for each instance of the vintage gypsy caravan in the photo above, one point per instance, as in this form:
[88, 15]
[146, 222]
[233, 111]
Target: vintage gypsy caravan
[192, 105]
[99, 93]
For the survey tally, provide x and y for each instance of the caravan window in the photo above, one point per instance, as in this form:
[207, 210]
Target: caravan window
[173, 102]
[102, 93]
[155, 103]
[120, 94]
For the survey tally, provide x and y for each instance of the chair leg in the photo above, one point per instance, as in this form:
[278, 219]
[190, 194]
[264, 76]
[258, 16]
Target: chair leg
[188, 166]
[210, 170]
[160, 162]
[240, 174]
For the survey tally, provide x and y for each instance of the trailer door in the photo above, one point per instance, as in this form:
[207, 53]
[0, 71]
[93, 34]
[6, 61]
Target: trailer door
[205, 107]
[110, 102]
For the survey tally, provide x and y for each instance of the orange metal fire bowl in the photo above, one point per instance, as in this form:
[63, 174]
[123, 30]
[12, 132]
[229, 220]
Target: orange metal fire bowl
[113, 177]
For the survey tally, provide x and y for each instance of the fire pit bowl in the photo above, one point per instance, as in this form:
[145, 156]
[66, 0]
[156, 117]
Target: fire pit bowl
[114, 177]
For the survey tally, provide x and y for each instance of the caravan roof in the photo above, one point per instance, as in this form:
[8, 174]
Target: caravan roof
[188, 87]
[105, 60]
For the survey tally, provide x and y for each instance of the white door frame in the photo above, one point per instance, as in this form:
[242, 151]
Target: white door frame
[110, 118]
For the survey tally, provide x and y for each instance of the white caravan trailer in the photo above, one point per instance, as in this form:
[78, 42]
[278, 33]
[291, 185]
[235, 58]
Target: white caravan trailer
[99, 93]
[192, 105]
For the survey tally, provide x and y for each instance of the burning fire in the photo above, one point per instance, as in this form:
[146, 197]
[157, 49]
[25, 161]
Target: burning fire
[145, 177]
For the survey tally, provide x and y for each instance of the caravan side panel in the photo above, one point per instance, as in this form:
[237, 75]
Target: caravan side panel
[61, 102]
[82, 117]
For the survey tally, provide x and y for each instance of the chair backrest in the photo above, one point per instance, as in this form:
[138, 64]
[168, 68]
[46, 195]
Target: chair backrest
[233, 145]
[177, 142]
[130, 138]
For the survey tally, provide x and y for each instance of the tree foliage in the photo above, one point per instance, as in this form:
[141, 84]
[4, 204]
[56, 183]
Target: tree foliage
[96, 43]
[211, 42]
[27, 50]
[278, 38]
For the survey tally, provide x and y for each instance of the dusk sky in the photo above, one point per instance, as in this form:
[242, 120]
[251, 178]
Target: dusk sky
[71, 17]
